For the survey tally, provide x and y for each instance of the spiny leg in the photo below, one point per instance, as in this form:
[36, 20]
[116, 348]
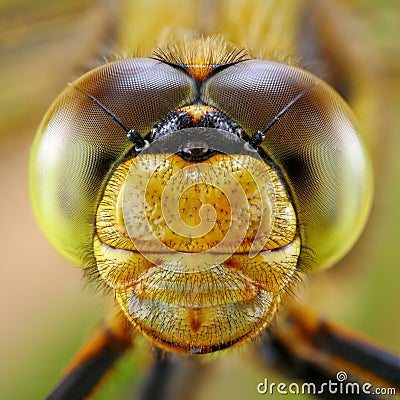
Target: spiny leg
[312, 350]
[172, 377]
[82, 377]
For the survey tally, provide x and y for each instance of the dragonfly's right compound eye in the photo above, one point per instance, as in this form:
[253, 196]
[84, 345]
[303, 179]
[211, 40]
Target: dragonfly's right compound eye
[79, 143]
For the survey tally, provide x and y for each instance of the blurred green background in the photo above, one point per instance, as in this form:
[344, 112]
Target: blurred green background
[47, 312]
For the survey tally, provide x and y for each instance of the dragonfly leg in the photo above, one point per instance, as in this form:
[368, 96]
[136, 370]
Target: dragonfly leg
[91, 364]
[312, 350]
[172, 376]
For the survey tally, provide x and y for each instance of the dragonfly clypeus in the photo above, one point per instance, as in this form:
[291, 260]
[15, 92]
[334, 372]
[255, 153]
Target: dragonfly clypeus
[260, 30]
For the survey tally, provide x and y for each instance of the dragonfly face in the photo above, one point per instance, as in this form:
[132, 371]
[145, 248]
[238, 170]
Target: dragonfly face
[197, 185]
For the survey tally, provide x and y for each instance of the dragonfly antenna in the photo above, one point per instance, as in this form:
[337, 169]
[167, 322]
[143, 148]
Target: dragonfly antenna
[260, 136]
[133, 135]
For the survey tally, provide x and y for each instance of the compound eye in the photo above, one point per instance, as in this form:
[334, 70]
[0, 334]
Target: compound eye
[79, 143]
[315, 144]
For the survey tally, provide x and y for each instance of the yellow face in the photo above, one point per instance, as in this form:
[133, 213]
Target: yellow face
[197, 185]
[201, 251]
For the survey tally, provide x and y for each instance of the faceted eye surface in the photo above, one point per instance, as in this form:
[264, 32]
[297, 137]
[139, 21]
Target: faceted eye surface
[78, 143]
[315, 144]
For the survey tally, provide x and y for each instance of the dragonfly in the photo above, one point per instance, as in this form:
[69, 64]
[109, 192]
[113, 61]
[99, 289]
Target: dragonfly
[348, 92]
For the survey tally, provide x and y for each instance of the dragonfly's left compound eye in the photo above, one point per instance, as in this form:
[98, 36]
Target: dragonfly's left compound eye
[316, 145]
[196, 187]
